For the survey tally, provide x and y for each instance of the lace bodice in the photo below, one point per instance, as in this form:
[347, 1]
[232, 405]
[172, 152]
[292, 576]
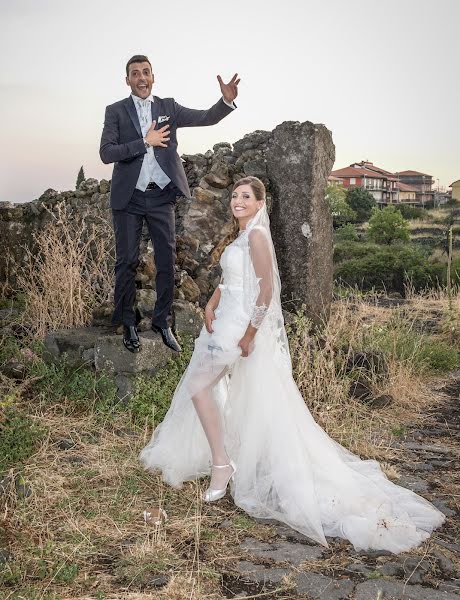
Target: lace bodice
[247, 268]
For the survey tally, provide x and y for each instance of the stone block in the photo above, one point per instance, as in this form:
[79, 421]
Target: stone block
[110, 354]
[300, 157]
[189, 318]
[259, 574]
[321, 587]
[78, 344]
[146, 299]
[398, 590]
[205, 196]
[190, 289]
[281, 551]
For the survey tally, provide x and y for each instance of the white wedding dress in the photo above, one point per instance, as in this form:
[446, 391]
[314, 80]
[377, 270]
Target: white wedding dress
[288, 468]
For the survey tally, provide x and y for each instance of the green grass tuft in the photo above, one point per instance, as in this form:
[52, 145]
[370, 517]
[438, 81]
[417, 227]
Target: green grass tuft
[19, 438]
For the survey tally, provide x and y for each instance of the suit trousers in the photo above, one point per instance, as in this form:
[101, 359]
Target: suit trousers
[156, 206]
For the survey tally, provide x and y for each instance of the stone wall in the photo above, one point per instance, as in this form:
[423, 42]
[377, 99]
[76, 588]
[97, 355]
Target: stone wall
[294, 162]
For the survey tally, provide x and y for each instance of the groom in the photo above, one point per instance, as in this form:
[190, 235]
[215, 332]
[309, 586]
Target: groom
[139, 136]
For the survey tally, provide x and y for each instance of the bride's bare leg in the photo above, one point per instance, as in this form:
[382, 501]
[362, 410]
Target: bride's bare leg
[211, 421]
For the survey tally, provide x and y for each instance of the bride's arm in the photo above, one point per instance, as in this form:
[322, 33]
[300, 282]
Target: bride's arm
[263, 267]
[211, 306]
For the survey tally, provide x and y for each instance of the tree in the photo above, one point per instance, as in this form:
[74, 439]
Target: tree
[341, 211]
[80, 177]
[362, 202]
[387, 225]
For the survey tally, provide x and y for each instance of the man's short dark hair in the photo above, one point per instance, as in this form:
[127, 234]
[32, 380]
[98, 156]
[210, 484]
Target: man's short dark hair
[137, 58]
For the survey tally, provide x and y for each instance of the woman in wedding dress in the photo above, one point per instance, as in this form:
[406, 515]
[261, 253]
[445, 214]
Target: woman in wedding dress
[238, 415]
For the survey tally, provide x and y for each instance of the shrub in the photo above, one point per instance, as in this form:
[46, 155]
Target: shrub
[362, 202]
[412, 212]
[347, 233]
[452, 202]
[348, 249]
[369, 266]
[384, 267]
[387, 225]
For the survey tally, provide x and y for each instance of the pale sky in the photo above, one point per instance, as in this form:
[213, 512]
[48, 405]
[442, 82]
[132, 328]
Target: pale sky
[382, 75]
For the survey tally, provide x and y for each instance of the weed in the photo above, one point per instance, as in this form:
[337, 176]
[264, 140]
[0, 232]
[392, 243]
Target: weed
[373, 575]
[75, 391]
[153, 394]
[19, 437]
[399, 431]
[243, 522]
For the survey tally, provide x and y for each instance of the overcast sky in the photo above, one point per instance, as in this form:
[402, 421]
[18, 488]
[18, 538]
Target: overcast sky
[382, 75]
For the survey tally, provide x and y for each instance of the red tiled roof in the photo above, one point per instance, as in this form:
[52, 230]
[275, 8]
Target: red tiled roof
[357, 172]
[410, 173]
[373, 167]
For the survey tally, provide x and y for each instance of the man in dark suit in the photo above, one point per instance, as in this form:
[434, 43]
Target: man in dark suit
[139, 136]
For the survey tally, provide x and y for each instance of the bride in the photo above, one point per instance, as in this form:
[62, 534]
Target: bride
[238, 415]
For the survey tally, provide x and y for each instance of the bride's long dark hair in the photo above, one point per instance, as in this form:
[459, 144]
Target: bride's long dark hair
[258, 188]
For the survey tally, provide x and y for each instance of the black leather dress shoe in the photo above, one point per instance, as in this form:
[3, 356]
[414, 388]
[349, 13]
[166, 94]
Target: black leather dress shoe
[131, 338]
[168, 337]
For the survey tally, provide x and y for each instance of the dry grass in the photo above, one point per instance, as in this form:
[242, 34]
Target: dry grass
[81, 533]
[6, 288]
[438, 255]
[68, 274]
[437, 215]
[321, 376]
[86, 511]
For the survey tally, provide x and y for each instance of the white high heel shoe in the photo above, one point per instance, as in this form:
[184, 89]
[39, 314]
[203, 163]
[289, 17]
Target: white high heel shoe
[211, 495]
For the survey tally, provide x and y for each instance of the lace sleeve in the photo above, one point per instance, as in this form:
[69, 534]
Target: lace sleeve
[260, 253]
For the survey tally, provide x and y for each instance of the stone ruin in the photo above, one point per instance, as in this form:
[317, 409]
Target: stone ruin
[294, 161]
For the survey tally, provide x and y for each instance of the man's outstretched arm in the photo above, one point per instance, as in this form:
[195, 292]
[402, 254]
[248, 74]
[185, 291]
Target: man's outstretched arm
[190, 117]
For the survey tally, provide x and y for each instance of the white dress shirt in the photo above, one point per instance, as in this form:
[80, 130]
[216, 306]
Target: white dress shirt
[151, 170]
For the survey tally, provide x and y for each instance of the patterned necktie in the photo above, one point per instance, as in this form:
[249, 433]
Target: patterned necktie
[144, 106]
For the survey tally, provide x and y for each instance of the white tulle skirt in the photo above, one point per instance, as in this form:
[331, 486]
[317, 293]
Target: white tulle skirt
[288, 468]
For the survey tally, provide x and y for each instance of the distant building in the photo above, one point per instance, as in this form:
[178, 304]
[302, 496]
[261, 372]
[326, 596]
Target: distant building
[334, 180]
[407, 193]
[380, 183]
[441, 198]
[422, 183]
[455, 190]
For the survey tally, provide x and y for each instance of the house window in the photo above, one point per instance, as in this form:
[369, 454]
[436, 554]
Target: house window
[352, 180]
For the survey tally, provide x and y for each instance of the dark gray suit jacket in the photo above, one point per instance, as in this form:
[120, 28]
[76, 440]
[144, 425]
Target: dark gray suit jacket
[122, 142]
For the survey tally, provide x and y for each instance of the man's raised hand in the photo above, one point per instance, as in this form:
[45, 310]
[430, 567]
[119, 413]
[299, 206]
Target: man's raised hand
[157, 137]
[229, 90]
